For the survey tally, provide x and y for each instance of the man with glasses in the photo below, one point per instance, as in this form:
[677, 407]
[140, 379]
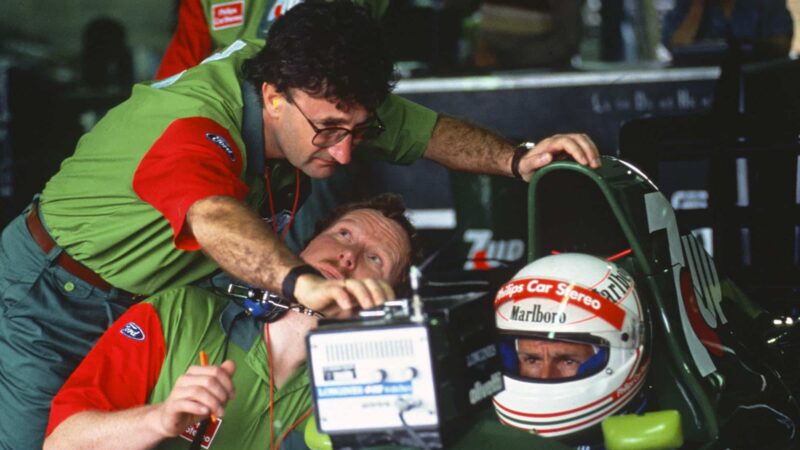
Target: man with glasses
[330, 136]
[206, 25]
[218, 159]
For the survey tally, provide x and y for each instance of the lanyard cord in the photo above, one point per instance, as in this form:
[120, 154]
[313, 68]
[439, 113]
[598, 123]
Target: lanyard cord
[271, 386]
[296, 201]
[204, 424]
[294, 425]
[272, 203]
[277, 444]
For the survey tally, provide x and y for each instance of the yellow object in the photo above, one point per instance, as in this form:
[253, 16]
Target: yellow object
[654, 430]
[314, 439]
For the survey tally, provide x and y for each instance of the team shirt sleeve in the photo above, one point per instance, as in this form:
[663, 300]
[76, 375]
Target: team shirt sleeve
[120, 371]
[191, 42]
[409, 127]
[193, 159]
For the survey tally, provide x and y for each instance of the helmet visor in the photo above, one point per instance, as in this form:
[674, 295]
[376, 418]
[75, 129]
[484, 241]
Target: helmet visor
[552, 358]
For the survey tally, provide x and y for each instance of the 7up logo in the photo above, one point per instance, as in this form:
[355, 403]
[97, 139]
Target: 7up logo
[485, 253]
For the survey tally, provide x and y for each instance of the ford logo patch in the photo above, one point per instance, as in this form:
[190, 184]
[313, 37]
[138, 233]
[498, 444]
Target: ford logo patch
[131, 330]
[223, 144]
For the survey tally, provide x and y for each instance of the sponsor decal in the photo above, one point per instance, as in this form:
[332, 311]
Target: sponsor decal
[223, 144]
[480, 391]
[132, 331]
[558, 291]
[707, 335]
[191, 431]
[227, 15]
[482, 354]
[535, 314]
[280, 8]
[630, 383]
[486, 253]
[685, 252]
[364, 390]
[705, 281]
[617, 287]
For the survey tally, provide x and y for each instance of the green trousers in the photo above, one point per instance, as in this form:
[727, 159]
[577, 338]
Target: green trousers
[50, 320]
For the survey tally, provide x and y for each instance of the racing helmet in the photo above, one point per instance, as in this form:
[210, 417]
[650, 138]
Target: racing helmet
[573, 344]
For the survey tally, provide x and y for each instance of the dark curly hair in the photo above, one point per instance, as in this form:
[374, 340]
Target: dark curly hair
[392, 207]
[329, 49]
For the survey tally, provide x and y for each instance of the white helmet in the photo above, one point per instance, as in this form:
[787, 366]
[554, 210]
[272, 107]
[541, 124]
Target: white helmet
[554, 303]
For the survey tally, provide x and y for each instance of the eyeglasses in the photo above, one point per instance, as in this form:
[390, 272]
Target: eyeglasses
[330, 136]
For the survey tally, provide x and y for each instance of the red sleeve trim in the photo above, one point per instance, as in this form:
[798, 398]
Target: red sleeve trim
[191, 42]
[193, 159]
[120, 371]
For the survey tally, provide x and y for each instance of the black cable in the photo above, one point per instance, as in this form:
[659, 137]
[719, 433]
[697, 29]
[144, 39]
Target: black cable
[228, 334]
[410, 431]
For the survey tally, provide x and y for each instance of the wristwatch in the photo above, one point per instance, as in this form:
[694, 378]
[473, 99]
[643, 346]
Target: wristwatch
[522, 150]
[291, 280]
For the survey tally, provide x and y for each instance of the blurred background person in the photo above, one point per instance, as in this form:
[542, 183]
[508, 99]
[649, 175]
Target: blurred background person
[763, 28]
[516, 34]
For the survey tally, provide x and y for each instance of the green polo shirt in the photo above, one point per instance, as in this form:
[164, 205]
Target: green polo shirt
[92, 211]
[195, 319]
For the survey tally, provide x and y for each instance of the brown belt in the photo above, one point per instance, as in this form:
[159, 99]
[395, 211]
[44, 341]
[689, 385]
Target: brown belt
[44, 240]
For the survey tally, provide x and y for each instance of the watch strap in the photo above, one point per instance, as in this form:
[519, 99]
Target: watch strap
[522, 150]
[290, 281]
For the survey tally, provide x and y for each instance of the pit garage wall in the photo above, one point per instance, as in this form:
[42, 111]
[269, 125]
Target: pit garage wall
[483, 217]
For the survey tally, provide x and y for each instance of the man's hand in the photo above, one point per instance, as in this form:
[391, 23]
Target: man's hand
[198, 393]
[459, 145]
[578, 146]
[317, 293]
